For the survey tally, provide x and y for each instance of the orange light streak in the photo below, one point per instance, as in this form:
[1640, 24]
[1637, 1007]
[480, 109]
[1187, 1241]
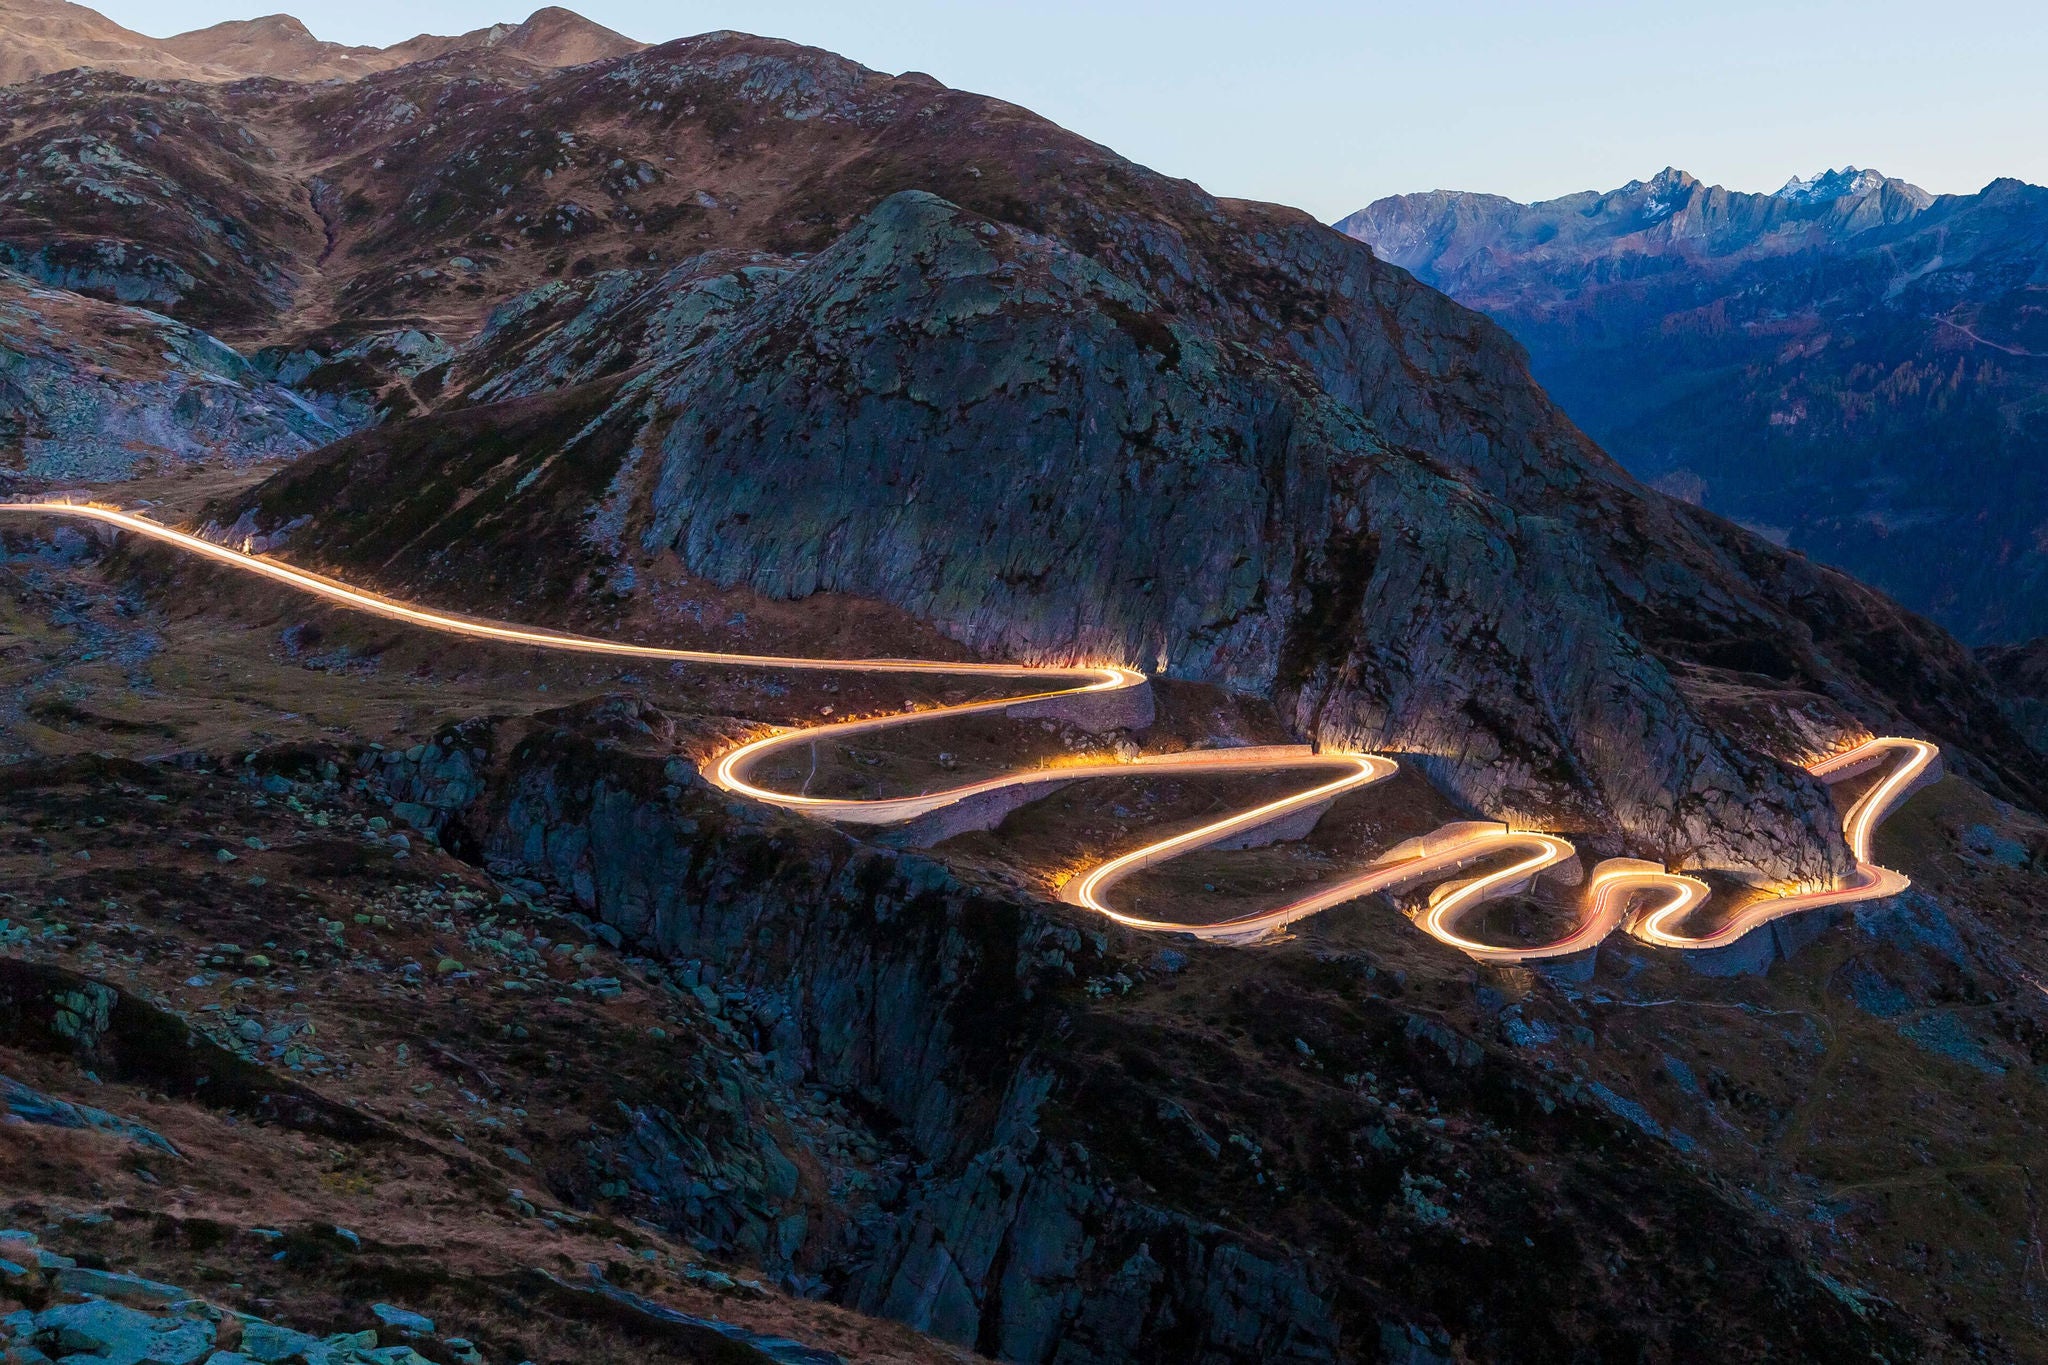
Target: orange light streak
[1608, 896]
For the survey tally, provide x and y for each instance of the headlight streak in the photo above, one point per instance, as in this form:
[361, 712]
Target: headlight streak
[1609, 897]
[1859, 827]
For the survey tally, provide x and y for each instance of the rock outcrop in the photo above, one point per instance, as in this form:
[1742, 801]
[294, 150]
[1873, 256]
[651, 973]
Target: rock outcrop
[93, 392]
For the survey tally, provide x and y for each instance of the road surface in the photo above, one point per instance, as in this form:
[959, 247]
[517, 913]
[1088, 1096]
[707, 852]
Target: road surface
[1655, 904]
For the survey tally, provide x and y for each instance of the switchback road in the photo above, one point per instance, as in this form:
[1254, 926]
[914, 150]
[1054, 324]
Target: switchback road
[1653, 903]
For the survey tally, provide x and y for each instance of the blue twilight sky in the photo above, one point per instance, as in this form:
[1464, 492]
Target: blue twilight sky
[1328, 106]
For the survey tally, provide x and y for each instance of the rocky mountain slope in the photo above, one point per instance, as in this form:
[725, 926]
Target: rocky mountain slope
[38, 37]
[736, 343]
[1284, 466]
[1279, 464]
[94, 392]
[1851, 366]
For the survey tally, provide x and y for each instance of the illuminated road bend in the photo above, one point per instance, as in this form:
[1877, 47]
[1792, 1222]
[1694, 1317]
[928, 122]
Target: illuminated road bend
[1611, 893]
[1911, 760]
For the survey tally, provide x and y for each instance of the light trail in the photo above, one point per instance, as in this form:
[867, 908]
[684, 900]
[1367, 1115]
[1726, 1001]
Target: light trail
[1439, 921]
[1870, 810]
[1610, 896]
[1859, 827]
[729, 772]
[356, 598]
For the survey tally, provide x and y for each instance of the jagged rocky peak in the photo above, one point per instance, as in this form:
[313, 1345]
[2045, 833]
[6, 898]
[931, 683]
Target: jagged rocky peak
[1827, 187]
[1464, 243]
[1660, 195]
[1670, 180]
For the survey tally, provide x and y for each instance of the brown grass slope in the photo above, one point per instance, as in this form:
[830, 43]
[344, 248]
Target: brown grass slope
[38, 37]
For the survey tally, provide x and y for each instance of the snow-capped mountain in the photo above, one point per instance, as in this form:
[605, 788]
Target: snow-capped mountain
[1831, 185]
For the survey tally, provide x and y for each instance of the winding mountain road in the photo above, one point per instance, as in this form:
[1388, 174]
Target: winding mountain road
[1655, 904]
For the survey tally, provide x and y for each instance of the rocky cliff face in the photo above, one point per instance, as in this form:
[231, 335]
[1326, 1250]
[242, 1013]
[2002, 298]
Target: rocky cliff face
[1846, 365]
[1005, 1051]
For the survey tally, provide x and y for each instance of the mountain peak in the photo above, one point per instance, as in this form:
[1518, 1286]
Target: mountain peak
[1663, 182]
[1847, 183]
[561, 37]
[41, 36]
[271, 25]
[1663, 193]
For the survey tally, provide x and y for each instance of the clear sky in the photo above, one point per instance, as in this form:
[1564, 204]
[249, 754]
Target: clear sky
[1328, 106]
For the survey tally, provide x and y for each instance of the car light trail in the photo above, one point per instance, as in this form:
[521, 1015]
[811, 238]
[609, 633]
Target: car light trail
[1868, 882]
[1440, 919]
[1609, 898]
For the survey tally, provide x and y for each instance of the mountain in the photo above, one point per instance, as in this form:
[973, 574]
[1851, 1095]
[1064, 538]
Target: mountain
[41, 36]
[1828, 186]
[737, 342]
[1850, 366]
[1262, 523]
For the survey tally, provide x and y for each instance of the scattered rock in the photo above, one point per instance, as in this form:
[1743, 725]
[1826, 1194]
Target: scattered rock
[33, 1106]
[128, 1289]
[403, 1320]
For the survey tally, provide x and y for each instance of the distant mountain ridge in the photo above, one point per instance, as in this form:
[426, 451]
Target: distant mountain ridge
[1830, 185]
[38, 37]
[1850, 365]
[1460, 240]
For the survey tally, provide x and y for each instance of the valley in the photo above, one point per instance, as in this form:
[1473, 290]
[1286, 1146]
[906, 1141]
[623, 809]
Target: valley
[1850, 366]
